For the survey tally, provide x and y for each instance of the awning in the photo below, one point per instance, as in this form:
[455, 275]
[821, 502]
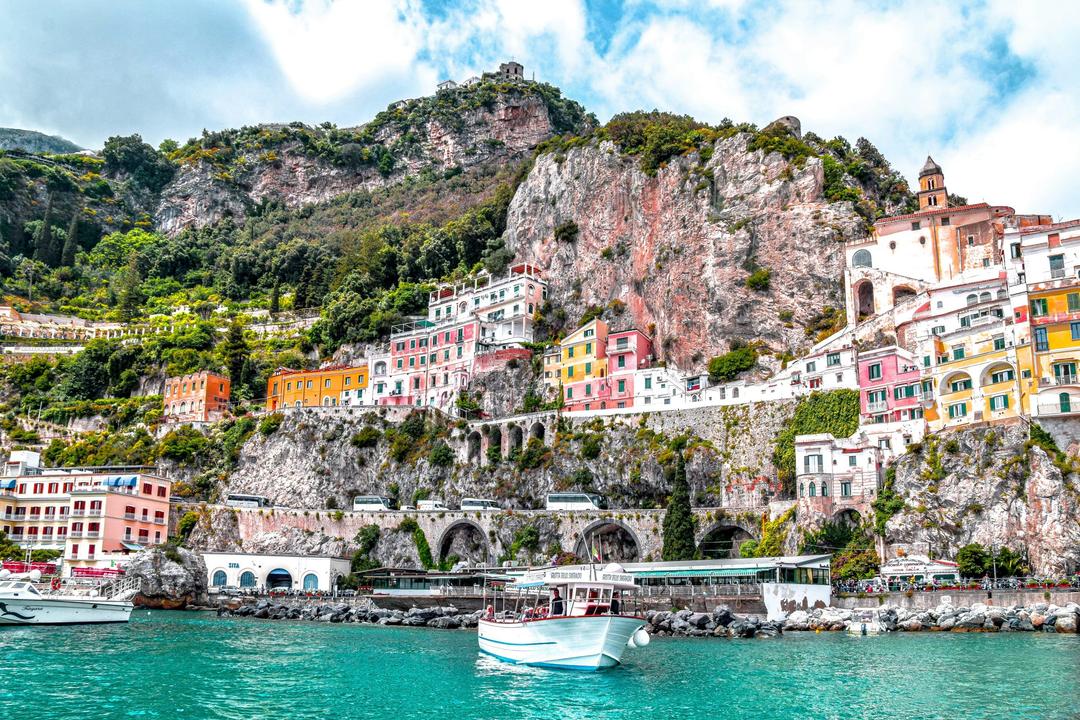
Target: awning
[111, 481]
[7, 484]
[132, 546]
[701, 572]
[130, 481]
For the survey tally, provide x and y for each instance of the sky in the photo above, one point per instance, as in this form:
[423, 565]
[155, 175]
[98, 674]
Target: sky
[991, 88]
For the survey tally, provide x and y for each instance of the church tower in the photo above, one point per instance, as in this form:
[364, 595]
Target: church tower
[932, 193]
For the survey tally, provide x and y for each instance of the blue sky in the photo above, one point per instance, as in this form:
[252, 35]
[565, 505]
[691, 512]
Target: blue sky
[989, 88]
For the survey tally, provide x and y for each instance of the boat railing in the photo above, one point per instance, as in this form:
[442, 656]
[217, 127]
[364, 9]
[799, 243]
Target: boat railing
[725, 590]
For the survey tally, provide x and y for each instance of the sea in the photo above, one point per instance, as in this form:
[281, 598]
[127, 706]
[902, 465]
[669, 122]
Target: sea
[196, 665]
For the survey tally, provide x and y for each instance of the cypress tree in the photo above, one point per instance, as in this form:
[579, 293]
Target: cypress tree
[71, 244]
[678, 523]
[275, 297]
[130, 290]
[43, 243]
[236, 354]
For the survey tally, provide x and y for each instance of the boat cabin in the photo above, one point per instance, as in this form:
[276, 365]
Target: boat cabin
[574, 591]
[11, 588]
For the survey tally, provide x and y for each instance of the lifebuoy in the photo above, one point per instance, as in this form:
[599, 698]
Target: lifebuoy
[55, 584]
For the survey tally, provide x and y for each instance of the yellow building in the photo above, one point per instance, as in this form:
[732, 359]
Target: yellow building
[583, 365]
[1055, 349]
[328, 387]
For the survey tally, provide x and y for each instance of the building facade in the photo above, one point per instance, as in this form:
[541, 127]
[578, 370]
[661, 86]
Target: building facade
[196, 398]
[328, 386]
[259, 572]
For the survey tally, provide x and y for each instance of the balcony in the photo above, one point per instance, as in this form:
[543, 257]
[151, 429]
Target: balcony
[75, 534]
[92, 533]
[877, 407]
[129, 516]
[1053, 318]
[159, 521]
[78, 513]
[1059, 380]
[1059, 409]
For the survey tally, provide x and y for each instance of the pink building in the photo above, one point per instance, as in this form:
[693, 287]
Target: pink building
[627, 352]
[890, 386]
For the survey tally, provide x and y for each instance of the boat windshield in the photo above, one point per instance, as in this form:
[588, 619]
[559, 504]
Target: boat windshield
[10, 586]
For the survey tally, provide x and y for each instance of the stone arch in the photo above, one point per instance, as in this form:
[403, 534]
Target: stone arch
[219, 579]
[472, 443]
[901, 293]
[495, 439]
[278, 578]
[537, 430]
[862, 258]
[864, 298]
[613, 539]
[986, 376]
[467, 540]
[848, 517]
[514, 438]
[723, 540]
[948, 380]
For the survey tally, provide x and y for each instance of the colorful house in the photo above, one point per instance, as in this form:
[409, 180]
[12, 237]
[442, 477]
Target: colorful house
[583, 368]
[1044, 274]
[890, 386]
[326, 387]
[196, 398]
[628, 353]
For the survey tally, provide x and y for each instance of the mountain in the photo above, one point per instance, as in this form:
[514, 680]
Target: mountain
[31, 141]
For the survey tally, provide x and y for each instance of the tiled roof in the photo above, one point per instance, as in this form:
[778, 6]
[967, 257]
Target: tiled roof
[929, 213]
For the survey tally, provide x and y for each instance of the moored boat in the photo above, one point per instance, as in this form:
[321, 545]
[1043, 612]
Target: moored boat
[23, 603]
[864, 622]
[579, 617]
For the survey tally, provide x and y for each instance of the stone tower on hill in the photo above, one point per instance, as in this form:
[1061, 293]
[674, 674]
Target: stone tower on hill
[932, 192]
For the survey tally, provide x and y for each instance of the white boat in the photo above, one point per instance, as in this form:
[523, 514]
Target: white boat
[22, 603]
[578, 617]
[864, 622]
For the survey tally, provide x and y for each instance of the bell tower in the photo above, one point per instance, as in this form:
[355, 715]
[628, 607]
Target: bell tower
[932, 194]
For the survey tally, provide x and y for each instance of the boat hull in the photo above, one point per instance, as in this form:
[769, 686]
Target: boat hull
[58, 611]
[575, 643]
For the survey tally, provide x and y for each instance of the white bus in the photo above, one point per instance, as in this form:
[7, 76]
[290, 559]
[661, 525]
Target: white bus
[574, 501]
[247, 501]
[431, 506]
[478, 504]
[371, 503]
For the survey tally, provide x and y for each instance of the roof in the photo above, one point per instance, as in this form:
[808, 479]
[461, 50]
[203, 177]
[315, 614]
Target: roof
[929, 213]
[930, 167]
[1036, 229]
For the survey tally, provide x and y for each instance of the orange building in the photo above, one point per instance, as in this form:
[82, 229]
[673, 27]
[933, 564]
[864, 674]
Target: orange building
[199, 397]
[328, 386]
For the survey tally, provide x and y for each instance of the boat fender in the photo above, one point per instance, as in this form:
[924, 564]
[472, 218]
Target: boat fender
[640, 638]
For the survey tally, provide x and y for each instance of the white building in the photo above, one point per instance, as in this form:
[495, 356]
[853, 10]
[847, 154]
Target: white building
[845, 469]
[273, 572]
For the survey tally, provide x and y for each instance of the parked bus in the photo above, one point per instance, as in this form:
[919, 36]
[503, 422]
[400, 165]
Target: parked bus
[574, 501]
[431, 506]
[371, 503]
[247, 501]
[478, 504]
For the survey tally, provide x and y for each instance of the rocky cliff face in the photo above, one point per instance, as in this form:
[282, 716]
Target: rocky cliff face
[448, 133]
[987, 486]
[678, 248]
[171, 578]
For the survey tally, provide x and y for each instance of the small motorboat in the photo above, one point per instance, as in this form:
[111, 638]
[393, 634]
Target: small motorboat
[864, 622]
[23, 603]
[579, 617]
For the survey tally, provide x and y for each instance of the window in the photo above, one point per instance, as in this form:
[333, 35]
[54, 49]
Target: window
[588, 368]
[812, 464]
[1057, 266]
[570, 351]
[957, 410]
[999, 343]
[845, 488]
[972, 299]
[999, 402]
[813, 490]
[570, 372]
[986, 262]
[588, 389]
[1001, 376]
[1074, 327]
[348, 381]
[1038, 307]
[1014, 250]
[852, 460]
[811, 366]
[569, 393]
[621, 361]
[926, 361]
[861, 258]
[958, 352]
[1064, 403]
[832, 359]
[309, 384]
[247, 579]
[161, 492]
[938, 330]
[875, 371]
[588, 348]
[824, 489]
[1042, 344]
[648, 383]
[589, 333]
[971, 240]
[904, 391]
[915, 225]
[147, 489]
[961, 384]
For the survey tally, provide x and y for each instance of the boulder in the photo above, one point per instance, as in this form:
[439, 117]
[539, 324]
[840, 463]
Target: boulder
[698, 620]
[169, 577]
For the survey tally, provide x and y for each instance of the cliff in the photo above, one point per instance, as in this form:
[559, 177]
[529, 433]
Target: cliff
[987, 486]
[672, 253]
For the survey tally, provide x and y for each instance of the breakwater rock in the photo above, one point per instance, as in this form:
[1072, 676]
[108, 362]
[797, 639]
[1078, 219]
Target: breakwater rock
[721, 622]
[1038, 617]
[445, 618]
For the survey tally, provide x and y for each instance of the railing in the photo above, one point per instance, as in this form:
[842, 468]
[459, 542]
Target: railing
[877, 406]
[129, 516]
[1071, 408]
[159, 521]
[1060, 380]
[718, 590]
[1055, 318]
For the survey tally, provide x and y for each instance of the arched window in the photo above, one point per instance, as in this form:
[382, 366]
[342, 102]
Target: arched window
[824, 489]
[802, 489]
[1065, 402]
[297, 403]
[861, 258]
[813, 490]
[311, 581]
[972, 299]
[984, 297]
[930, 184]
[247, 579]
[219, 578]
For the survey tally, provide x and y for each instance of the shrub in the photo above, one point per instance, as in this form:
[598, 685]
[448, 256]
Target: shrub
[972, 560]
[590, 446]
[269, 424]
[535, 454]
[567, 231]
[184, 445]
[726, 367]
[410, 525]
[367, 437]
[187, 523]
[835, 412]
[441, 455]
[759, 279]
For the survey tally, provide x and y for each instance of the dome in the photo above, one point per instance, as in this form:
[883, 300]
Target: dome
[930, 167]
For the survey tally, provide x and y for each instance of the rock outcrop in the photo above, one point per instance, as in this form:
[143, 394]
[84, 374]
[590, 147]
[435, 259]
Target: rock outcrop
[987, 486]
[171, 577]
[677, 248]
[1035, 617]
[721, 622]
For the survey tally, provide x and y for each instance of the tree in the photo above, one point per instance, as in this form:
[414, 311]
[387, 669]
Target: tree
[972, 560]
[143, 163]
[724, 368]
[71, 243]
[678, 523]
[236, 352]
[130, 289]
[275, 297]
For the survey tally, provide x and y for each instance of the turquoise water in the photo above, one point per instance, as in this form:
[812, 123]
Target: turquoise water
[188, 665]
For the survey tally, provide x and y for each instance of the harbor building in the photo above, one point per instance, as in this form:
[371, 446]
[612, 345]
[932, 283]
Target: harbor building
[95, 516]
[266, 572]
[201, 397]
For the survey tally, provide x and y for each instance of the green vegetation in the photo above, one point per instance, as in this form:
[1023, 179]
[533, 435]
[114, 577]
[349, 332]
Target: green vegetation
[10, 550]
[367, 538]
[835, 412]
[759, 279]
[367, 437]
[186, 524]
[527, 538]
[409, 525]
[854, 557]
[441, 455]
[773, 535]
[975, 560]
[726, 367]
[1042, 439]
[270, 423]
[678, 524]
[888, 502]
